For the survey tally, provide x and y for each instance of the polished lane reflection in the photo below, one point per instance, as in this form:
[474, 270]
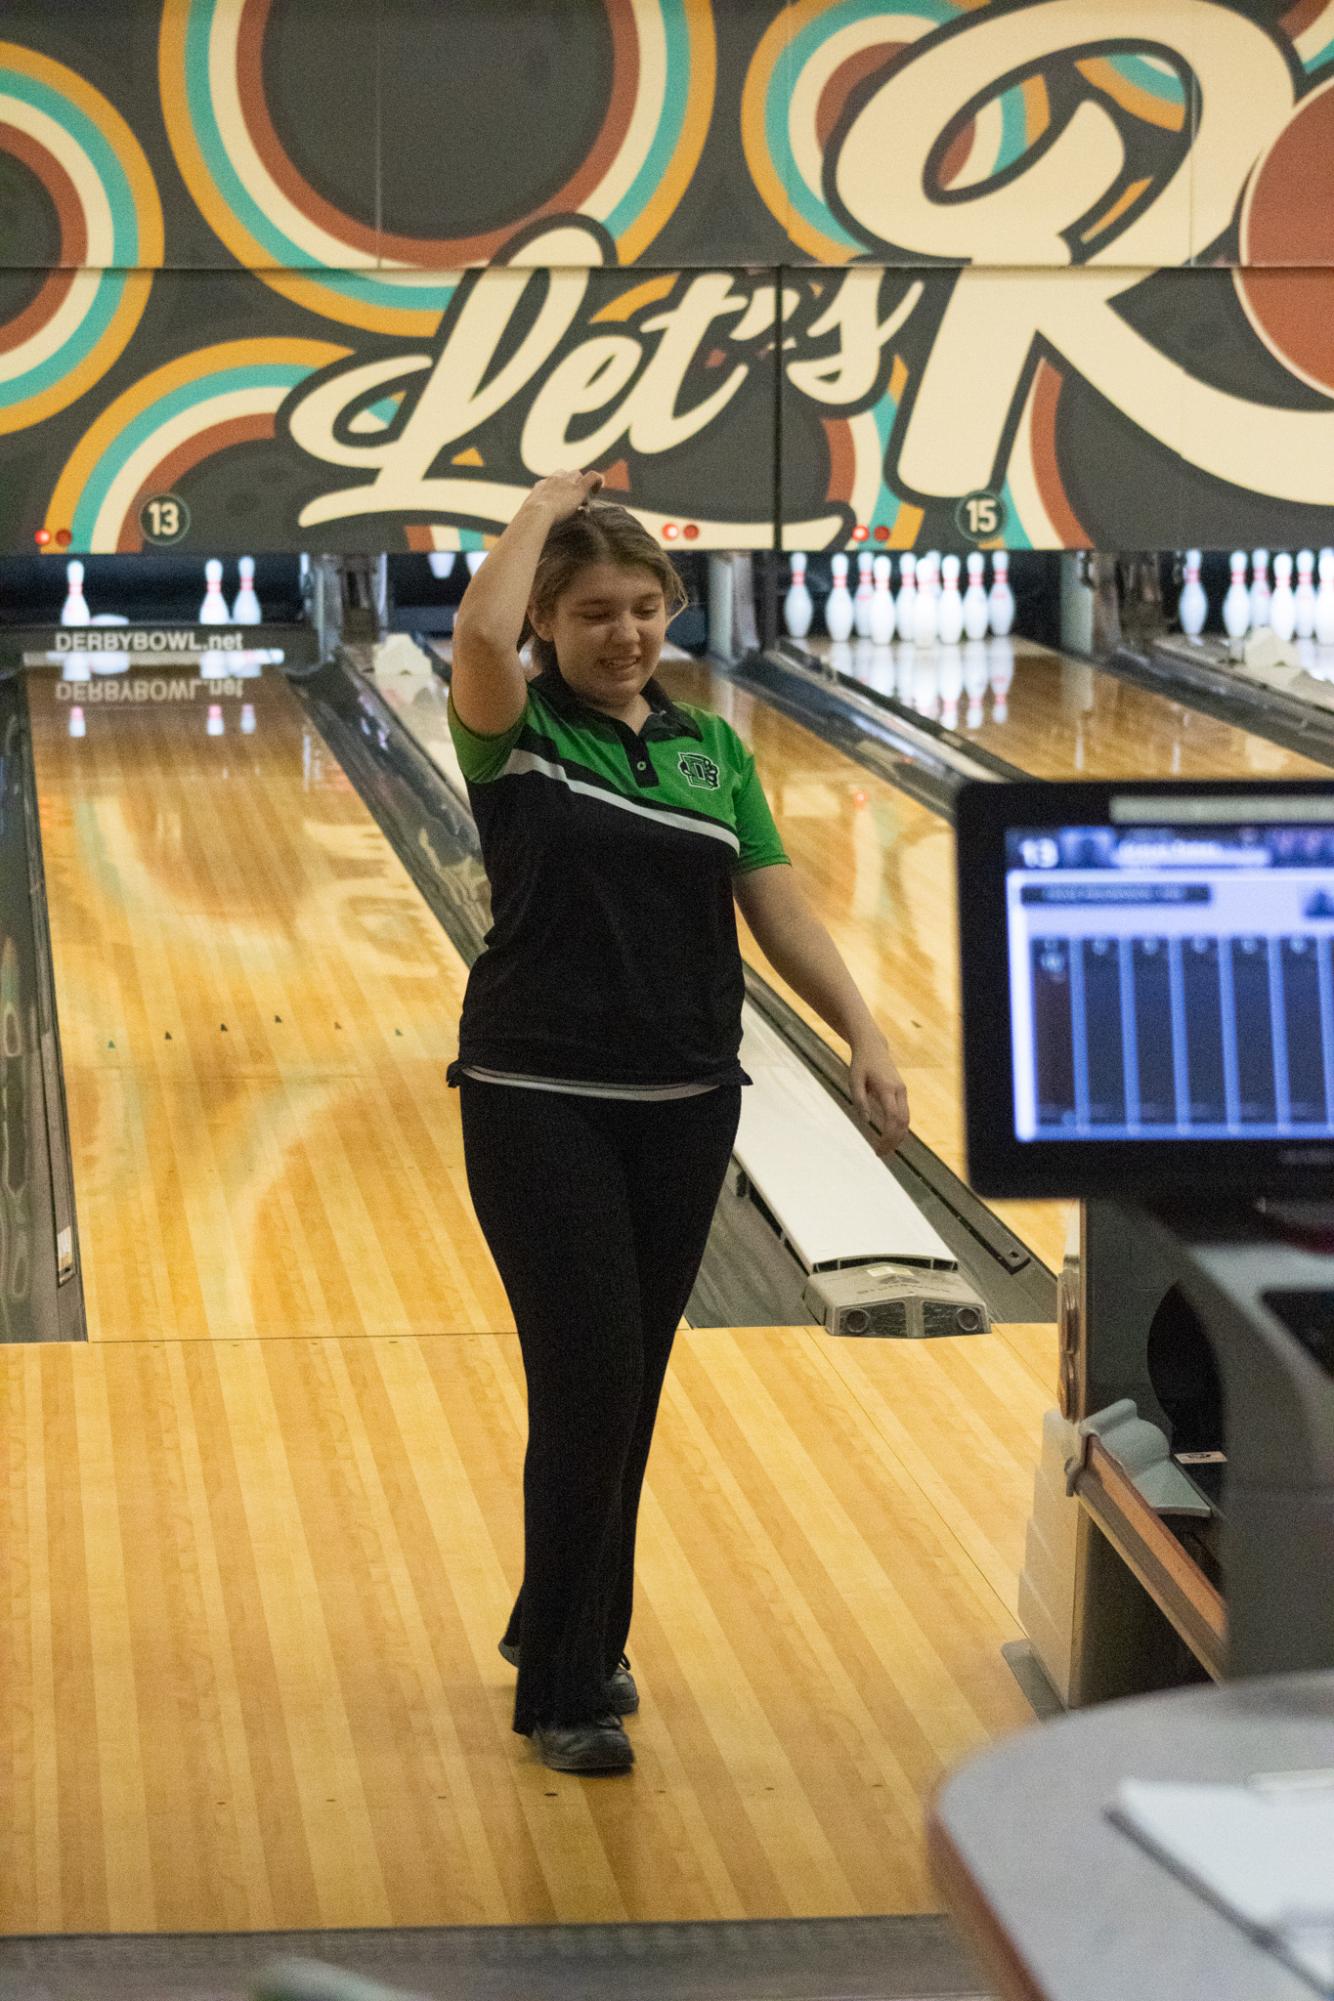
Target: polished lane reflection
[1056, 717]
[256, 1010]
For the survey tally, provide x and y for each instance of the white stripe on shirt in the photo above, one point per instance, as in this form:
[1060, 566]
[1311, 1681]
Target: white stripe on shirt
[645, 1091]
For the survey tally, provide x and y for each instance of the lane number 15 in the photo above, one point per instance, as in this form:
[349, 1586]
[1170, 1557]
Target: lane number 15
[981, 516]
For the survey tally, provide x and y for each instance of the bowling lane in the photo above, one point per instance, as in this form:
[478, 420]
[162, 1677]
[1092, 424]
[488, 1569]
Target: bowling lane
[877, 866]
[294, 1552]
[1056, 717]
[256, 1010]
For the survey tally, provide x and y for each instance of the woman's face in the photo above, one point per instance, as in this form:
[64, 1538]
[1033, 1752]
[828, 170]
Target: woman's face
[608, 628]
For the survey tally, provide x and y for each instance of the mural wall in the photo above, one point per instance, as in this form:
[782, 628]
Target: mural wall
[292, 274]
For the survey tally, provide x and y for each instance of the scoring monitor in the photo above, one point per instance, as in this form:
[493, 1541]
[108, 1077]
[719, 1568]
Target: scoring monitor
[1148, 980]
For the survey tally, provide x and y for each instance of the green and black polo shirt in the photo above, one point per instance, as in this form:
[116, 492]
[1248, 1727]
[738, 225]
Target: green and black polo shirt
[612, 965]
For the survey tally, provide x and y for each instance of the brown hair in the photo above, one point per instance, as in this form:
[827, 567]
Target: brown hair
[600, 531]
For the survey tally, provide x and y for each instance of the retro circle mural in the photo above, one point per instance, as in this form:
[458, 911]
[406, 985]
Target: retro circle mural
[271, 219]
[1068, 259]
[79, 150]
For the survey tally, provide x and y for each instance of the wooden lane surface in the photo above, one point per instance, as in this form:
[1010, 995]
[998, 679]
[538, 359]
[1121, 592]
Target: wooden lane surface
[252, 1592]
[253, 1588]
[256, 1010]
[1067, 719]
[877, 866]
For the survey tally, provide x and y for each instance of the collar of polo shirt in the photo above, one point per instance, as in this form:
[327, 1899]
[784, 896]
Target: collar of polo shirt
[672, 721]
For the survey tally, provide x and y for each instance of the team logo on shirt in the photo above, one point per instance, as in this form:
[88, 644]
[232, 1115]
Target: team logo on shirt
[697, 769]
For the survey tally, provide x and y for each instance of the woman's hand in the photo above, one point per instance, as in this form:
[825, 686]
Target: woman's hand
[563, 493]
[879, 1094]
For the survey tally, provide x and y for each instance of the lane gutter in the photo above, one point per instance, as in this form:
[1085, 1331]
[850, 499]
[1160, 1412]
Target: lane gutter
[56, 1278]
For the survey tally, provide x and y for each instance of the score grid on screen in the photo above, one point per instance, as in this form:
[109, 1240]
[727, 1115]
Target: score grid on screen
[1173, 980]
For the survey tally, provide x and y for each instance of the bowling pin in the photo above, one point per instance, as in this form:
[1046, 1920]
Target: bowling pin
[1237, 603]
[1000, 601]
[950, 607]
[905, 605]
[1260, 589]
[1193, 604]
[76, 604]
[247, 719]
[930, 565]
[1304, 596]
[883, 618]
[215, 726]
[975, 598]
[797, 605]
[441, 563]
[213, 611]
[974, 680]
[861, 604]
[1000, 666]
[1324, 600]
[246, 611]
[475, 559]
[838, 612]
[925, 629]
[77, 723]
[1282, 603]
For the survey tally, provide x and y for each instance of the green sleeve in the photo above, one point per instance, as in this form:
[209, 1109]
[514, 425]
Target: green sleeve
[482, 758]
[760, 844]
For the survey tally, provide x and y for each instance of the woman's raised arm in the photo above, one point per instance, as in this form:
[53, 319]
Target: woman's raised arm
[487, 684]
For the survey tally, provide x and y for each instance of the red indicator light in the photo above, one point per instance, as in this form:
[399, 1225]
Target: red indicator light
[670, 531]
[692, 531]
[860, 532]
[882, 533]
[64, 537]
[42, 537]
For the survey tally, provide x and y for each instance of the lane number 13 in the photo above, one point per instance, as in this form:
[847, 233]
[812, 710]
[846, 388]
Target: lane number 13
[164, 518]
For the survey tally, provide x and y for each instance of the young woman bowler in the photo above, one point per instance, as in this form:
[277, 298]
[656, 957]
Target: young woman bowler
[598, 1078]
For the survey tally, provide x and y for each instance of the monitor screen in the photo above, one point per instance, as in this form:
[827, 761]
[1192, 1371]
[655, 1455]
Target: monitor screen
[1156, 974]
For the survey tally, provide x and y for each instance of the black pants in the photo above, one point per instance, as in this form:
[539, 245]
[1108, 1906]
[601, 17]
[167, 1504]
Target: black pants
[597, 1213]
